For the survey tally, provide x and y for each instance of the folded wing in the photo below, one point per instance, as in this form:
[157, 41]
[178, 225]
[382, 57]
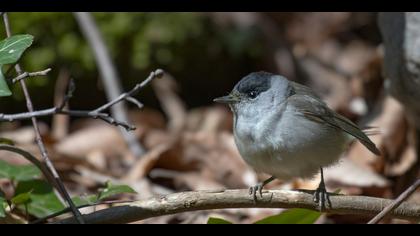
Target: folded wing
[309, 104]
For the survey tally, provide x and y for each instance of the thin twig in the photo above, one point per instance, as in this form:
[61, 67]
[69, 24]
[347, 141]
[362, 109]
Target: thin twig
[63, 91]
[403, 196]
[224, 199]
[134, 101]
[71, 87]
[56, 111]
[38, 138]
[102, 116]
[95, 114]
[25, 75]
[155, 74]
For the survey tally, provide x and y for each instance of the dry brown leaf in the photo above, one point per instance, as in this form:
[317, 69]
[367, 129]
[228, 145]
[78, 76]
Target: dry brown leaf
[209, 119]
[196, 181]
[165, 89]
[312, 29]
[143, 166]
[217, 157]
[97, 159]
[147, 118]
[407, 159]
[79, 144]
[12, 219]
[354, 57]
[347, 172]
[391, 124]
[330, 85]
[24, 135]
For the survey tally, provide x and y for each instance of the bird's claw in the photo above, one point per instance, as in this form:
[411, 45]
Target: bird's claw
[321, 196]
[254, 189]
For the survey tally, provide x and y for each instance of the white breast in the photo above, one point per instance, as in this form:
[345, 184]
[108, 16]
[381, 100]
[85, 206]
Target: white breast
[288, 145]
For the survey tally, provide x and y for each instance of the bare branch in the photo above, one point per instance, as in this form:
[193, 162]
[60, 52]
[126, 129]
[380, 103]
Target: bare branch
[206, 200]
[95, 114]
[403, 196]
[155, 74]
[40, 143]
[102, 116]
[57, 111]
[26, 115]
[69, 94]
[134, 101]
[25, 75]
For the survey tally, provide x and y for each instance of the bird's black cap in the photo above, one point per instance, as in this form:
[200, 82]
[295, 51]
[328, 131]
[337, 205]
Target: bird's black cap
[255, 82]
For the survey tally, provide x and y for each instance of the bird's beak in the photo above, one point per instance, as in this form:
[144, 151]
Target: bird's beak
[229, 99]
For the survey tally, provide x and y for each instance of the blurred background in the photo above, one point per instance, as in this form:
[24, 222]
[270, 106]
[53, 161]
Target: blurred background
[188, 138]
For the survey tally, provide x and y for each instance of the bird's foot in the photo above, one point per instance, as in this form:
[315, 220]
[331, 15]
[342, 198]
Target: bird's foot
[254, 189]
[322, 197]
[259, 187]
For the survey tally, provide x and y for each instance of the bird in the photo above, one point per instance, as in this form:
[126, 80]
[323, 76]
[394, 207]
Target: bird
[284, 129]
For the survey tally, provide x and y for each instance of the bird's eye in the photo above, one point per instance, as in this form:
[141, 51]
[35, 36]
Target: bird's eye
[252, 94]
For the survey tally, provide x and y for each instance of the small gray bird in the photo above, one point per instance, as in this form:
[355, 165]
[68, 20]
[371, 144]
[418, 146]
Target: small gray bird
[284, 129]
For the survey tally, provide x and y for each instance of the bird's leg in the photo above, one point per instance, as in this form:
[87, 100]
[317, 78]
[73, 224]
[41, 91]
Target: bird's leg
[258, 188]
[321, 195]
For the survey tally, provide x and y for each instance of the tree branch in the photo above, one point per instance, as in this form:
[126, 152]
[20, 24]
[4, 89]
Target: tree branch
[403, 196]
[57, 111]
[155, 74]
[46, 159]
[206, 200]
[25, 75]
[95, 114]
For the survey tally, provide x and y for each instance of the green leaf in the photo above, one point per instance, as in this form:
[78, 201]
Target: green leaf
[11, 49]
[4, 88]
[18, 172]
[2, 205]
[218, 221]
[42, 201]
[22, 198]
[112, 190]
[85, 200]
[109, 191]
[292, 216]
[7, 141]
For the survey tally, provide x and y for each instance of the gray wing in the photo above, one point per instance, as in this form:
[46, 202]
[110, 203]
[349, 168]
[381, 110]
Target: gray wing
[303, 90]
[315, 109]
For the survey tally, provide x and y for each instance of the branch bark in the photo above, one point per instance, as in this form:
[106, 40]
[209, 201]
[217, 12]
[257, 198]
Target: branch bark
[25, 75]
[406, 194]
[98, 113]
[206, 200]
[57, 111]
